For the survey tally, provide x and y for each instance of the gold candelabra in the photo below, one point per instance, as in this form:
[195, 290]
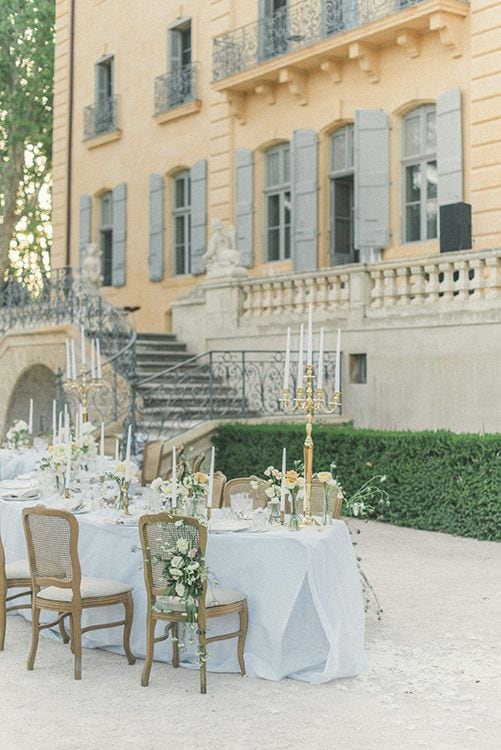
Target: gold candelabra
[308, 403]
[82, 385]
[126, 499]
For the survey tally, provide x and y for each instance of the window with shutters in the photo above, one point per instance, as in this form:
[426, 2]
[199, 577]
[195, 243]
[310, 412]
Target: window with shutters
[278, 202]
[341, 197]
[274, 31]
[180, 78]
[181, 219]
[419, 174]
[106, 237]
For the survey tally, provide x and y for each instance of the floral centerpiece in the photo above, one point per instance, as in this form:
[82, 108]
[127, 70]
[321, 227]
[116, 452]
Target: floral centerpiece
[294, 483]
[189, 492]
[329, 484]
[121, 472]
[18, 435]
[185, 571]
[167, 489]
[55, 463]
[87, 446]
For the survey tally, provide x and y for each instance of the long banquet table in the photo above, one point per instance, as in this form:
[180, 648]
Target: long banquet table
[306, 616]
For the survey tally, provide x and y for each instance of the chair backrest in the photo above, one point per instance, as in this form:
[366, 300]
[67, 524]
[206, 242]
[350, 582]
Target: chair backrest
[243, 485]
[162, 530]
[152, 457]
[217, 490]
[52, 541]
[3, 576]
[197, 462]
[317, 500]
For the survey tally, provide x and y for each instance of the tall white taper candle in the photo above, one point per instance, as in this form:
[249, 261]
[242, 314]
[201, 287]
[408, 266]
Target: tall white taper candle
[98, 352]
[101, 451]
[300, 373]
[309, 352]
[127, 454]
[210, 489]
[287, 359]
[68, 360]
[282, 486]
[320, 376]
[82, 344]
[68, 465]
[54, 421]
[30, 418]
[174, 478]
[337, 377]
[92, 360]
[73, 361]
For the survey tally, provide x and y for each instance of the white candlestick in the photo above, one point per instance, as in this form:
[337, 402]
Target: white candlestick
[282, 487]
[54, 421]
[60, 427]
[300, 373]
[98, 351]
[287, 359]
[82, 344]
[30, 418]
[320, 377]
[73, 361]
[101, 451]
[127, 454]
[92, 360]
[80, 422]
[68, 360]
[68, 465]
[66, 420]
[174, 478]
[211, 478]
[116, 450]
[337, 377]
[309, 354]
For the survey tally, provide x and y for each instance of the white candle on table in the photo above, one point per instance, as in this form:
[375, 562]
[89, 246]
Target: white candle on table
[211, 478]
[320, 378]
[127, 454]
[82, 344]
[98, 357]
[116, 450]
[300, 373]
[174, 478]
[337, 377]
[60, 427]
[309, 345]
[54, 421]
[80, 422]
[101, 451]
[73, 361]
[68, 465]
[68, 360]
[282, 487]
[287, 359]
[92, 360]
[30, 418]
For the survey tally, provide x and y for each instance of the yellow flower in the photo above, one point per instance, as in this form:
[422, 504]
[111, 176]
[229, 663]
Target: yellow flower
[324, 476]
[291, 476]
[201, 477]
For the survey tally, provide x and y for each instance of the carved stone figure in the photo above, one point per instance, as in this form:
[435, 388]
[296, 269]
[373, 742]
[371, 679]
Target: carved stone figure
[91, 266]
[222, 258]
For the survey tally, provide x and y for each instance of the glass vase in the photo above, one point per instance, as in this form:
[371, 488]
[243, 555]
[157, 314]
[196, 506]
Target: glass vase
[326, 516]
[120, 501]
[294, 519]
[274, 508]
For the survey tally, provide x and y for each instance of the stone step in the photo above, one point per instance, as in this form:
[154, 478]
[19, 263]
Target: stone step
[159, 358]
[160, 347]
[156, 337]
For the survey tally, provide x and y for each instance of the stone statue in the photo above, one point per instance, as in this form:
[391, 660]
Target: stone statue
[91, 266]
[222, 258]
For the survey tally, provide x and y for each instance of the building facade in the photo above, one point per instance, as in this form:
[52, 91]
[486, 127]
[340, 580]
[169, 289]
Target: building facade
[331, 133]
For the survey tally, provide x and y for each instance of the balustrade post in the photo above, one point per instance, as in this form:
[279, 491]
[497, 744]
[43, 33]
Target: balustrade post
[359, 291]
[432, 286]
[447, 283]
[417, 285]
[403, 286]
[477, 283]
[463, 282]
[389, 288]
[493, 281]
[376, 292]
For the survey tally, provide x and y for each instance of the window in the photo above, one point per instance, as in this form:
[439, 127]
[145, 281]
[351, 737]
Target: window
[341, 197]
[105, 107]
[358, 368]
[106, 238]
[180, 67]
[275, 28]
[182, 223]
[419, 163]
[278, 202]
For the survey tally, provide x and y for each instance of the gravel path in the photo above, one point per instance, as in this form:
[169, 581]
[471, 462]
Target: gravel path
[433, 681]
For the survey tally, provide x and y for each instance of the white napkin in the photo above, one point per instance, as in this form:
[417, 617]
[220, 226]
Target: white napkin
[26, 494]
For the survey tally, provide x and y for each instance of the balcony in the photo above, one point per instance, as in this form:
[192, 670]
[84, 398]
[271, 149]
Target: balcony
[321, 33]
[176, 93]
[101, 120]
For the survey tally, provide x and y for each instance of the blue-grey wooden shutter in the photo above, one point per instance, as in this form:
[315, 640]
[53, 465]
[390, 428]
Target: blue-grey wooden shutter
[85, 228]
[449, 147]
[372, 178]
[244, 160]
[304, 176]
[119, 199]
[198, 176]
[156, 244]
[174, 51]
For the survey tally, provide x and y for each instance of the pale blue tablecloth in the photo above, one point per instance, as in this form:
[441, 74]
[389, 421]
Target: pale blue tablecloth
[13, 463]
[306, 615]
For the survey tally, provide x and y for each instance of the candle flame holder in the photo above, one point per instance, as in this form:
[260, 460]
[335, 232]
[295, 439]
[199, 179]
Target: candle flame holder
[310, 402]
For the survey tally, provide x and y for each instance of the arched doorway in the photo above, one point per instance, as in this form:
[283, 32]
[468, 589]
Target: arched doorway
[39, 383]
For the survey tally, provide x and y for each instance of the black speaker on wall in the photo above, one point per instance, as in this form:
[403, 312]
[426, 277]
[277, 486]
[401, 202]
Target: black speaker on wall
[455, 227]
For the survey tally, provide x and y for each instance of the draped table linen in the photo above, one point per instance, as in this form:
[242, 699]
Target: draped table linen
[306, 615]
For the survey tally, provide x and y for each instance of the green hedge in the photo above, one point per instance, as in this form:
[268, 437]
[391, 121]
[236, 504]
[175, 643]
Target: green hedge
[438, 481]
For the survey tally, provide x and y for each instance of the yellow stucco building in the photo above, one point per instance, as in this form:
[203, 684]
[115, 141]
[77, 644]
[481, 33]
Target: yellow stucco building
[327, 131]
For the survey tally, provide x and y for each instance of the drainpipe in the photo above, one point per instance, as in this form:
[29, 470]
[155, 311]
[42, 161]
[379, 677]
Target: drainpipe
[69, 164]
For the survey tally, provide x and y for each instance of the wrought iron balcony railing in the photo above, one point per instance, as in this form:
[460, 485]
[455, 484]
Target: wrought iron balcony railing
[174, 89]
[101, 117]
[292, 28]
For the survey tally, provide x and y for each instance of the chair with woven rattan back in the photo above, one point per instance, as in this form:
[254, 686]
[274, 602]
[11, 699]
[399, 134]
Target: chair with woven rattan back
[163, 531]
[152, 457]
[58, 585]
[14, 575]
[317, 499]
[196, 464]
[243, 485]
[218, 489]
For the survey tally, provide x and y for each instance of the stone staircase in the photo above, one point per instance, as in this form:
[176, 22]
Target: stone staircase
[182, 397]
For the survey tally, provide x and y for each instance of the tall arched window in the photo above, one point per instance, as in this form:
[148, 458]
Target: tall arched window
[341, 196]
[106, 237]
[181, 220]
[277, 191]
[419, 166]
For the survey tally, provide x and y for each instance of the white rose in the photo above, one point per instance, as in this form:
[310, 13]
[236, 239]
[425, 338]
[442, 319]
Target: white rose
[20, 425]
[157, 483]
[270, 492]
[177, 562]
[180, 589]
[182, 545]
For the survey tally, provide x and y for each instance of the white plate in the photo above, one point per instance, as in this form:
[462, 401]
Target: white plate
[16, 498]
[228, 529]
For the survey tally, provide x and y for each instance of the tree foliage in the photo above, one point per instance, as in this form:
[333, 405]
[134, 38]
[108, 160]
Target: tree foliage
[26, 81]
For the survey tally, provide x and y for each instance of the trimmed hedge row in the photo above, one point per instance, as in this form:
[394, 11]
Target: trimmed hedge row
[439, 481]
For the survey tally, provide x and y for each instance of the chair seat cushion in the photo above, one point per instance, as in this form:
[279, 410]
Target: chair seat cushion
[90, 588]
[214, 598]
[18, 569]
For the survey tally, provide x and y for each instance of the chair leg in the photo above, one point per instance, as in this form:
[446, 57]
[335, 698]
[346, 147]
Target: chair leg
[244, 618]
[62, 629]
[76, 640]
[129, 616]
[3, 617]
[175, 644]
[150, 645]
[202, 647]
[35, 635]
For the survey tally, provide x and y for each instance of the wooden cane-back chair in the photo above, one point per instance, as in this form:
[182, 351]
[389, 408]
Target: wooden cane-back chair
[58, 585]
[15, 575]
[243, 485]
[152, 457]
[317, 500]
[197, 462]
[156, 531]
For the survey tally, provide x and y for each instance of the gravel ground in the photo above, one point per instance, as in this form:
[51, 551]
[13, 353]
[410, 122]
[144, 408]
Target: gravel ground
[433, 680]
